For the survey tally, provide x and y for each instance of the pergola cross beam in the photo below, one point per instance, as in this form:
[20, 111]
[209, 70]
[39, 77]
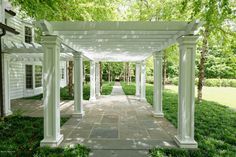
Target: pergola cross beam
[96, 38]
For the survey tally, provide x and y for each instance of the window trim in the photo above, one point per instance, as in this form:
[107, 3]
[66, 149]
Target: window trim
[35, 84]
[28, 35]
[32, 77]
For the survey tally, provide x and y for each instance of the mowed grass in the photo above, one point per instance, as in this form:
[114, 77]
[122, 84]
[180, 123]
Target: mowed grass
[215, 126]
[222, 95]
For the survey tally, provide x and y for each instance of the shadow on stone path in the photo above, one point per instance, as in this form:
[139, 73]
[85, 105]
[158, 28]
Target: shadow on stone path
[118, 126]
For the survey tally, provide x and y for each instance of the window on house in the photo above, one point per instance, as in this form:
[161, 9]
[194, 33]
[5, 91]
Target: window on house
[29, 76]
[28, 34]
[62, 73]
[38, 75]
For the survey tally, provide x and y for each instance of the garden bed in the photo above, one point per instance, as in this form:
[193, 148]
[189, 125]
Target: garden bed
[20, 136]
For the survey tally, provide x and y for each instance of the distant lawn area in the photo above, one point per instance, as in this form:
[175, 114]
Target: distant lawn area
[222, 95]
[20, 136]
[215, 126]
[106, 90]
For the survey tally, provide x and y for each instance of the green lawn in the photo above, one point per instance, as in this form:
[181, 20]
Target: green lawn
[106, 90]
[215, 126]
[20, 136]
[223, 95]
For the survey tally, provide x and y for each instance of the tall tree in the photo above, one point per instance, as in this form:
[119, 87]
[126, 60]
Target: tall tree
[61, 10]
[214, 13]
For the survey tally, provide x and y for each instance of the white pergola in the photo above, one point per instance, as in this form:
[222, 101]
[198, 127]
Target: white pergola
[118, 42]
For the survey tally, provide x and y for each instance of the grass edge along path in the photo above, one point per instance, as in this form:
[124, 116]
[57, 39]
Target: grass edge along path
[215, 126]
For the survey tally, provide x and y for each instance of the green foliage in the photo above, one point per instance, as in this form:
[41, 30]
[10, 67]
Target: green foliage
[107, 88]
[150, 79]
[215, 126]
[77, 151]
[65, 93]
[210, 82]
[59, 10]
[21, 136]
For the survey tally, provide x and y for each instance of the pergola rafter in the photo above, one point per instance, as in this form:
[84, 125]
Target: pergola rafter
[124, 38]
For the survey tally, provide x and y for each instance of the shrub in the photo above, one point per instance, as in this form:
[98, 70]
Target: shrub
[233, 83]
[174, 80]
[149, 79]
[210, 82]
[21, 135]
[78, 150]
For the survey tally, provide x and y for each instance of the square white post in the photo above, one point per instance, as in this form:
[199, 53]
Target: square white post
[185, 134]
[6, 85]
[97, 79]
[92, 81]
[2, 10]
[157, 93]
[78, 85]
[137, 79]
[143, 82]
[51, 91]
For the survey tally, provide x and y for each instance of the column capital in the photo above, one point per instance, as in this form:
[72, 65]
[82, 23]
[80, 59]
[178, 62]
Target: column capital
[51, 40]
[158, 55]
[77, 54]
[188, 40]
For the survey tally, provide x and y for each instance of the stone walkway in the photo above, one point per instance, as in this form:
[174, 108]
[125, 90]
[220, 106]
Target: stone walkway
[113, 126]
[118, 126]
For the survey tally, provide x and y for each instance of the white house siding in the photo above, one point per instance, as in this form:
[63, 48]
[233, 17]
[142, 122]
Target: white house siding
[17, 79]
[17, 24]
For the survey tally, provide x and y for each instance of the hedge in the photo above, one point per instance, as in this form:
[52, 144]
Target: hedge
[210, 82]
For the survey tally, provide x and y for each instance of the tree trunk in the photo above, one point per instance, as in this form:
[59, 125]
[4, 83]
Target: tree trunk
[124, 72]
[70, 77]
[128, 73]
[201, 74]
[164, 70]
[109, 72]
[84, 75]
[101, 71]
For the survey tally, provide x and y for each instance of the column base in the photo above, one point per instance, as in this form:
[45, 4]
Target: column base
[52, 143]
[78, 115]
[8, 113]
[157, 115]
[143, 99]
[92, 99]
[191, 144]
[137, 95]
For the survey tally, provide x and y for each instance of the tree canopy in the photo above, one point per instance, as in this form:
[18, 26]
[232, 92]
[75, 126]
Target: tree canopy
[216, 51]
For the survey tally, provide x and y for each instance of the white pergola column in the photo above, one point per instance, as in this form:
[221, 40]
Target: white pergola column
[157, 93]
[143, 82]
[97, 79]
[137, 79]
[78, 85]
[51, 91]
[92, 81]
[185, 134]
[6, 85]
